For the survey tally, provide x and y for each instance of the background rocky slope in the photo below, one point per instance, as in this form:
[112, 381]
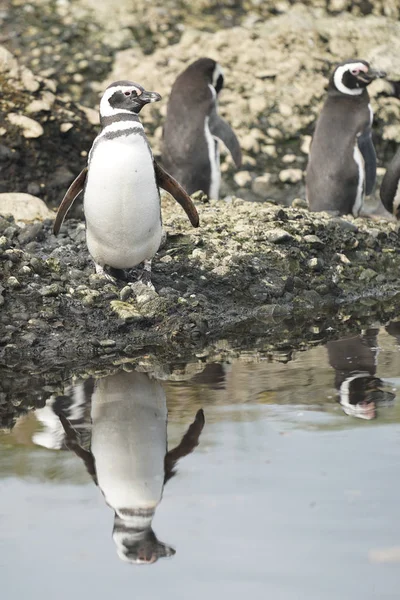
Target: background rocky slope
[276, 56]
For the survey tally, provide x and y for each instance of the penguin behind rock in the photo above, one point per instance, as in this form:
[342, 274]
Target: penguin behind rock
[128, 457]
[341, 167]
[192, 129]
[390, 187]
[121, 195]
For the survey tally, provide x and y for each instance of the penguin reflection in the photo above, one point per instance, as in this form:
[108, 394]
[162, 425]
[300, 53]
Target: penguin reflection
[354, 360]
[128, 457]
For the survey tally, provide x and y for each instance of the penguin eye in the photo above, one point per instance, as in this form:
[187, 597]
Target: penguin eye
[127, 93]
[355, 71]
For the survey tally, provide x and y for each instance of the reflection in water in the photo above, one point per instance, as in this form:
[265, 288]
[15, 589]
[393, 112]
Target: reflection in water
[355, 360]
[128, 456]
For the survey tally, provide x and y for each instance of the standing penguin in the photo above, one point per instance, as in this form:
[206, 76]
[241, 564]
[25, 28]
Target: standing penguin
[192, 129]
[341, 167]
[390, 187]
[128, 457]
[121, 196]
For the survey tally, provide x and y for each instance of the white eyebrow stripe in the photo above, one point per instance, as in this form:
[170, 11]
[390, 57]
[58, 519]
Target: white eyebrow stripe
[338, 76]
[105, 109]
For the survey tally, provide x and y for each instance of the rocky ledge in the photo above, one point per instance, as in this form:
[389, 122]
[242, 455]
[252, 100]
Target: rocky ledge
[247, 267]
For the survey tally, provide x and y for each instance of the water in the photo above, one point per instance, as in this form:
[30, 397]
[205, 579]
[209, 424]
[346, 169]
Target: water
[289, 493]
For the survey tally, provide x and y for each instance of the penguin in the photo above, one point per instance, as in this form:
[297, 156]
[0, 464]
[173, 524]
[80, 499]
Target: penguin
[128, 457]
[193, 127]
[341, 167]
[121, 196]
[354, 360]
[390, 186]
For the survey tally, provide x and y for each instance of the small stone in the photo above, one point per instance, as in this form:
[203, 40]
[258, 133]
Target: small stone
[291, 175]
[274, 133]
[314, 241]
[97, 281]
[306, 144]
[315, 264]
[30, 233]
[299, 203]
[262, 184]
[125, 293]
[65, 127]
[13, 282]
[30, 128]
[343, 258]
[166, 259]
[269, 150]
[289, 158]
[25, 270]
[242, 178]
[143, 292]
[342, 223]
[107, 343]
[367, 275]
[278, 236]
[24, 207]
[125, 311]
[50, 290]
[199, 254]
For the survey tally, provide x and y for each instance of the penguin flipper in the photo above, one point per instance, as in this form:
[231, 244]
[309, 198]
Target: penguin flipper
[72, 193]
[368, 151]
[170, 185]
[222, 130]
[390, 184]
[72, 443]
[188, 443]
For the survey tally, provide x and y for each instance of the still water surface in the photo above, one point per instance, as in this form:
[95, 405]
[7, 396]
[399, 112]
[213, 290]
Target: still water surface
[290, 490]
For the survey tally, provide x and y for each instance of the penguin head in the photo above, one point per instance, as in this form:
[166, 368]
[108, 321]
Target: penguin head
[353, 76]
[203, 72]
[125, 97]
[138, 546]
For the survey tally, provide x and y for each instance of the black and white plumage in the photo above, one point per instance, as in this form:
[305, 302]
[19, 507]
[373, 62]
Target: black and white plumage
[120, 183]
[341, 168]
[390, 187]
[193, 127]
[128, 457]
[354, 360]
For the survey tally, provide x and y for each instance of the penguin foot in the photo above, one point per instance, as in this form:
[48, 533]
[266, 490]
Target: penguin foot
[163, 239]
[100, 271]
[146, 274]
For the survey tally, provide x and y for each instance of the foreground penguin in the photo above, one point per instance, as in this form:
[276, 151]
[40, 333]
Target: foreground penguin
[128, 457]
[341, 168]
[121, 195]
[390, 187]
[192, 129]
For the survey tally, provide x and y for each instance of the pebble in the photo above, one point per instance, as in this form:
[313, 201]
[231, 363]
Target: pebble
[315, 264]
[13, 282]
[107, 343]
[125, 293]
[30, 128]
[291, 175]
[367, 275]
[242, 178]
[262, 185]
[278, 235]
[50, 290]
[314, 241]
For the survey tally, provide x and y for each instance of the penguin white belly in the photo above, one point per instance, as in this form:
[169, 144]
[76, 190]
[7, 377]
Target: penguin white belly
[129, 440]
[213, 155]
[122, 203]
[359, 199]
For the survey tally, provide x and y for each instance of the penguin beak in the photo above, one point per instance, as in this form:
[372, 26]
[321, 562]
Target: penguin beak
[146, 97]
[370, 75]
